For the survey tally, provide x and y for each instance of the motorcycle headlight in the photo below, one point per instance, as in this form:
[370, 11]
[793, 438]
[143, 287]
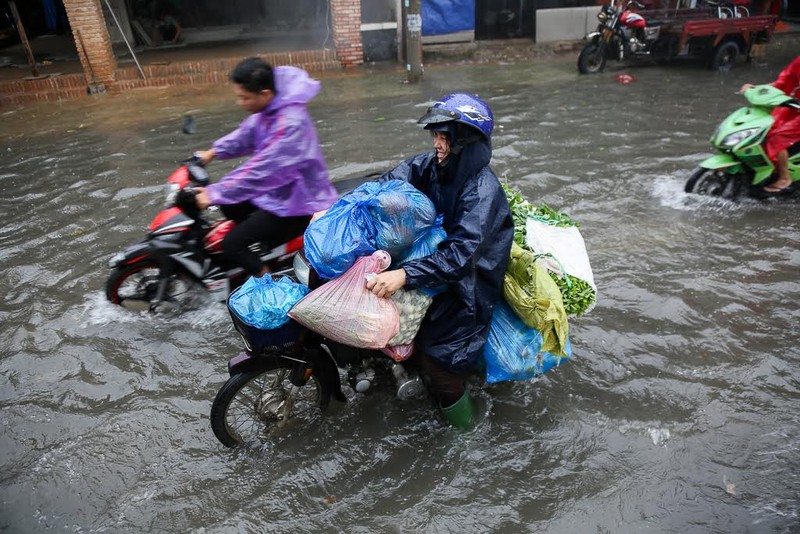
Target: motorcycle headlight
[302, 270]
[170, 190]
[735, 138]
[602, 16]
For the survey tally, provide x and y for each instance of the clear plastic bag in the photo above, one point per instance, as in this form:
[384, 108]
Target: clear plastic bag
[412, 305]
[345, 311]
[513, 349]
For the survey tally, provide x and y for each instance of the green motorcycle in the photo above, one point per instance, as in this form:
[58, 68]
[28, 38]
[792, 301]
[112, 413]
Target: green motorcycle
[743, 168]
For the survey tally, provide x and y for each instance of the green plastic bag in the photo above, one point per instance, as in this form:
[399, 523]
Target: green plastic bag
[536, 299]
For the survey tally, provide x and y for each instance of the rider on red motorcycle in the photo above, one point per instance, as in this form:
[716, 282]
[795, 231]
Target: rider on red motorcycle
[271, 196]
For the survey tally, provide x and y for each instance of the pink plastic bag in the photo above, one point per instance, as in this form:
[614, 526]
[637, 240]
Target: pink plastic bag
[345, 311]
[399, 353]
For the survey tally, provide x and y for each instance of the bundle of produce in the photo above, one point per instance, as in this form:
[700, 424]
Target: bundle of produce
[412, 305]
[388, 216]
[556, 241]
[536, 299]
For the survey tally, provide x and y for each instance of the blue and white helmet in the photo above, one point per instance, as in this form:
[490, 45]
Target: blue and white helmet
[461, 108]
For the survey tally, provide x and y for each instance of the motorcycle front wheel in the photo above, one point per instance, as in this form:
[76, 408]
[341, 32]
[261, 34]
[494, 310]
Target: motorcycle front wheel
[715, 183]
[135, 286]
[250, 406]
[592, 58]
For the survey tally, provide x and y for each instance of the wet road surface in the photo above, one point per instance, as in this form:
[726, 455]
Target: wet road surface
[678, 412]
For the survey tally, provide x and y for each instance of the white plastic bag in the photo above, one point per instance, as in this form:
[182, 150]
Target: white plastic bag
[566, 244]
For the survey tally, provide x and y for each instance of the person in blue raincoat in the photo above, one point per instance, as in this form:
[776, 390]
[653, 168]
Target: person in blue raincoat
[272, 195]
[470, 262]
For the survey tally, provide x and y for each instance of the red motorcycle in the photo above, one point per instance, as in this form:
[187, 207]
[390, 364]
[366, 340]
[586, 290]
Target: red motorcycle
[716, 31]
[621, 34]
[181, 252]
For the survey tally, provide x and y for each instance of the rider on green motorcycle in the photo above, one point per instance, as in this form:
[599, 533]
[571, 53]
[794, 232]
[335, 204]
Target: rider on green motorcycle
[785, 131]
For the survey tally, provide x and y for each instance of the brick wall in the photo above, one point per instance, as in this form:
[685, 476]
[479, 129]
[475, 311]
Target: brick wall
[92, 40]
[346, 15]
[200, 72]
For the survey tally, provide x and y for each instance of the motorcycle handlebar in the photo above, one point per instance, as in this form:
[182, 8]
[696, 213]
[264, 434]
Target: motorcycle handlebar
[197, 170]
[184, 199]
[194, 159]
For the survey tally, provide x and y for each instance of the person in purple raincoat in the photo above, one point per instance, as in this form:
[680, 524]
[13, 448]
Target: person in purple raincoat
[272, 195]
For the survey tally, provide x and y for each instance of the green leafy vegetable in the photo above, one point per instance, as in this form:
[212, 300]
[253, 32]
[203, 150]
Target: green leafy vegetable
[577, 294]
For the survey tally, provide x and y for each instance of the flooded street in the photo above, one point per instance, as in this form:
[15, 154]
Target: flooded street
[677, 413]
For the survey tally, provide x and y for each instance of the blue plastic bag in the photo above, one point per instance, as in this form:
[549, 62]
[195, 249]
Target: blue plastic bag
[512, 350]
[425, 245]
[264, 303]
[386, 216]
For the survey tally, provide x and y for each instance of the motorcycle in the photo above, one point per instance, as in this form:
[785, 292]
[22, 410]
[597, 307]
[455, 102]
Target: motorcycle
[621, 34]
[291, 374]
[742, 167]
[182, 252]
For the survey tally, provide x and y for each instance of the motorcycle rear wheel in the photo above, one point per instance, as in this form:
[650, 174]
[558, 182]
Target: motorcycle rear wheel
[134, 286]
[250, 406]
[724, 57]
[714, 183]
[592, 58]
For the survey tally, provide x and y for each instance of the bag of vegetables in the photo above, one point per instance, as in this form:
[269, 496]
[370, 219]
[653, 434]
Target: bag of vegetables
[536, 299]
[564, 255]
[412, 305]
[555, 235]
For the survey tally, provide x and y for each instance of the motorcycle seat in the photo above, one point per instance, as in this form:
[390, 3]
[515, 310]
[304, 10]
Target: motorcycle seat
[656, 23]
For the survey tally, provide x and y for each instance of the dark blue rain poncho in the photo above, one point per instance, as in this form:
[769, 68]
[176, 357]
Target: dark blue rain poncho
[471, 261]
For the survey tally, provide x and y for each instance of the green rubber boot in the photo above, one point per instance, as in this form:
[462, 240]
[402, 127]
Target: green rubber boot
[462, 413]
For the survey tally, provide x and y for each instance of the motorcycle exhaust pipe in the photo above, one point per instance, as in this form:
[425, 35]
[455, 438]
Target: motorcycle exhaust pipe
[408, 386]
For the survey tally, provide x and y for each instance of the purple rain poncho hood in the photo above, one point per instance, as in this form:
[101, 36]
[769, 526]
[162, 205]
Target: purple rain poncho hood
[286, 174]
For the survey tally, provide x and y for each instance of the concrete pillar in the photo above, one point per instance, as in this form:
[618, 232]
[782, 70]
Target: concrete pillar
[92, 42]
[346, 20]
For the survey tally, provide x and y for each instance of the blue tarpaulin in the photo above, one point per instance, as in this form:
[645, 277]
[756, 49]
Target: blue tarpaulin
[447, 16]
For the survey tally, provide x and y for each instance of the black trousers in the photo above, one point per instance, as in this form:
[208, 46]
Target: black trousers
[257, 226]
[445, 385]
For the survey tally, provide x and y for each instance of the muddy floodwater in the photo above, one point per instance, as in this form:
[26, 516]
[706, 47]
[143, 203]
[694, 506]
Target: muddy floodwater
[679, 412]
